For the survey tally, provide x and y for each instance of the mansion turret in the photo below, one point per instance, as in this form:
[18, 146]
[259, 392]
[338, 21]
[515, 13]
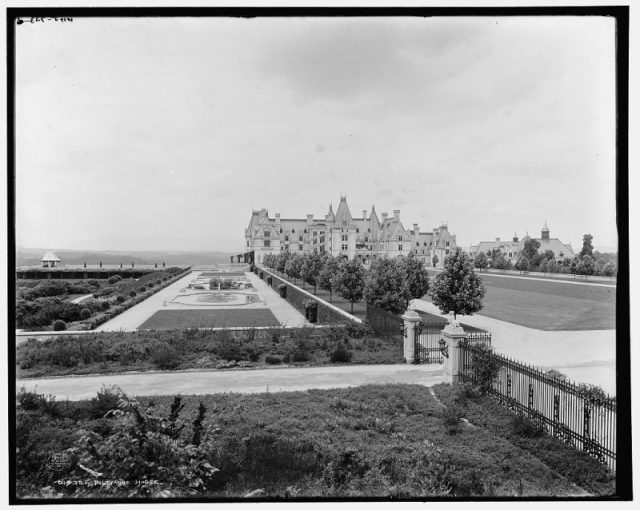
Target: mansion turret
[339, 233]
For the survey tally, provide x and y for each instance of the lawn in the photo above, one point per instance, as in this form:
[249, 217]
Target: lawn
[395, 441]
[539, 304]
[211, 318]
[549, 306]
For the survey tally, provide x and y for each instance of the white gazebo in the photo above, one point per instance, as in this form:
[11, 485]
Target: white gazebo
[50, 260]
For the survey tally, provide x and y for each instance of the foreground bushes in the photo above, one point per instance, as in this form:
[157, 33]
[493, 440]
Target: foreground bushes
[194, 348]
[375, 441]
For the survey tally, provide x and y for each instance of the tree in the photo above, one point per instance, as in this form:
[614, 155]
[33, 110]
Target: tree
[281, 261]
[328, 273]
[293, 266]
[481, 261]
[530, 248]
[435, 260]
[311, 267]
[385, 286]
[458, 288]
[415, 275]
[522, 263]
[609, 269]
[587, 247]
[585, 266]
[498, 261]
[349, 281]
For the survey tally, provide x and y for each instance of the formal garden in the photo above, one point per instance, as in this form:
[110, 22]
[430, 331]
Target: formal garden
[390, 441]
[45, 305]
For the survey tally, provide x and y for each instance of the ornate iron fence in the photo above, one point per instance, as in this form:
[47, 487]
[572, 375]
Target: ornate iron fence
[427, 342]
[579, 415]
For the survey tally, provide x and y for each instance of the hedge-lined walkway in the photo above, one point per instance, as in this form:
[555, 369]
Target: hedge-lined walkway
[359, 308]
[286, 314]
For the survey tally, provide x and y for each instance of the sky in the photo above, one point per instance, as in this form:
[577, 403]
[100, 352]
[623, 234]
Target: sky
[165, 133]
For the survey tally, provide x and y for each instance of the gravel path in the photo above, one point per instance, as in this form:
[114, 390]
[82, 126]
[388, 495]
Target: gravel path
[236, 380]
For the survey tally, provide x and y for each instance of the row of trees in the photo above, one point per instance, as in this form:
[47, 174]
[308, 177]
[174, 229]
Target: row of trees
[587, 262]
[389, 283]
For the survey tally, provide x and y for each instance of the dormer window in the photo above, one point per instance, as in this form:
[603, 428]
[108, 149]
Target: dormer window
[267, 234]
[293, 230]
[399, 238]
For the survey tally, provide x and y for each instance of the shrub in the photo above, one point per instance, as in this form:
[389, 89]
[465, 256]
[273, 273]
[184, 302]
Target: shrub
[132, 293]
[106, 400]
[165, 357]
[114, 279]
[272, 360]
[28, 400]
[120, 299]
[299, 354]
[451, 418]
[525, 427]
[150, 285]
[341, 355]
[143, 288]
[105, 305]
[85, 313]
[139, 444]
[59, 325]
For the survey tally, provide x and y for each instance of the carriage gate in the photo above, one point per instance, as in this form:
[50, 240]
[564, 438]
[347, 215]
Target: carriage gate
[427, 341]
[582, 418]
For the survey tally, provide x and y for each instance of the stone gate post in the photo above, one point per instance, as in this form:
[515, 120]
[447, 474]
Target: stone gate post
[410, 318]
[452, 334]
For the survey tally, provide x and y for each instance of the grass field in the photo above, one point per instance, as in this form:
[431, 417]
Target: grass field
[223, 318]
[549, 306]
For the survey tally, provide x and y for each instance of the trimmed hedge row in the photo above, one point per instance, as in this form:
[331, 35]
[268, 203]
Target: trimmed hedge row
[296, 297]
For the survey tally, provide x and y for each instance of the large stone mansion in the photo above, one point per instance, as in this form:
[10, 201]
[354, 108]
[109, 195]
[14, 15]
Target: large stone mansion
[341, 234]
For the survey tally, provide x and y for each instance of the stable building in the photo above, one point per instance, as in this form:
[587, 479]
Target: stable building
[511, 249]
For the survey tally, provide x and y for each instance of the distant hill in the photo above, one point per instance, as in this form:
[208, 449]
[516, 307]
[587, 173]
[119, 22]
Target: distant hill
[32, 256]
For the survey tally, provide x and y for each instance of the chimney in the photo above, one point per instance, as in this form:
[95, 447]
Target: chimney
[277, 219]
[515, 238]
[396, 214]
[262, 214]
[384, 216]
[309, 219]
[364, 214]
[416, 230]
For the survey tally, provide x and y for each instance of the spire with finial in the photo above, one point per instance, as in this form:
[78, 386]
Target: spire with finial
[545, 231]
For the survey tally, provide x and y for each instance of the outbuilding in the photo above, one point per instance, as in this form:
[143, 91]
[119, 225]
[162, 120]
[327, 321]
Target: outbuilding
[50, 260]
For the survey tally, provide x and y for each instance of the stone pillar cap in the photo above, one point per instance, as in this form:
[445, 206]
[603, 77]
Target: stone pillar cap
[411, 315]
